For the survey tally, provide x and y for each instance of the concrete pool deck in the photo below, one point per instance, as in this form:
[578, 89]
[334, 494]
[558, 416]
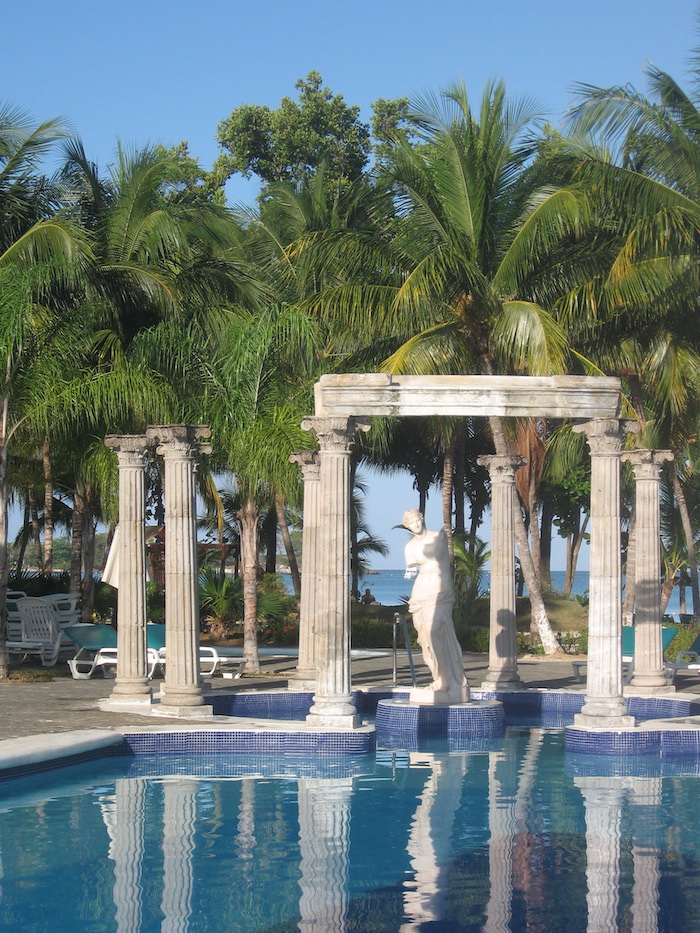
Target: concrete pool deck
[65, 705]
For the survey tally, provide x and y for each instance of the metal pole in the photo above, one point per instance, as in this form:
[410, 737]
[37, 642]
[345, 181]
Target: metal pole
[400, 620]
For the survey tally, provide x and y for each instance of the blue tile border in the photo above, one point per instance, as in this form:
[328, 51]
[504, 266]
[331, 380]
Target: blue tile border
[234, 741]
[53, 764]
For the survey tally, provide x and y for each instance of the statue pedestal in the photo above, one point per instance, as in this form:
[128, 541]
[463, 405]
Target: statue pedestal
[403, 723]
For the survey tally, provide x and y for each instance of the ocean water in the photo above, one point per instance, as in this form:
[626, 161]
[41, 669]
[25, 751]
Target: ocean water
[391, 589]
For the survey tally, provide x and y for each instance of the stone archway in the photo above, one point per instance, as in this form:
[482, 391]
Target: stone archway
[343, 404]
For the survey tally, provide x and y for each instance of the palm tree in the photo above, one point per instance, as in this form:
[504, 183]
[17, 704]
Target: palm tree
[455, 273]
[39, 252]
[653, 186]
[254, 400]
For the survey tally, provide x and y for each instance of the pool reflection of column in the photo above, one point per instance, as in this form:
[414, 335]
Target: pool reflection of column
[324, 845]
[425, 896]
[124, 819]
[602, 798]
[510, 785]
[179, 815]
[645, 792]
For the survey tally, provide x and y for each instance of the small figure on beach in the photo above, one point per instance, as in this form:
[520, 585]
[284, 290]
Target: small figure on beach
[367, 597]
[431, 605]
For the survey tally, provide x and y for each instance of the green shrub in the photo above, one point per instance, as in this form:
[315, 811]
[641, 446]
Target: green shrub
[370, 632]
[683, 639]
[473, 639]
[528, 644]
[574, 642]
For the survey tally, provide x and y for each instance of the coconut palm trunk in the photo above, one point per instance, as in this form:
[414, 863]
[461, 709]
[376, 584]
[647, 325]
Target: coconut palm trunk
[539, 620]
[248, 517]
[48, 508]
[288, 546]
[689, 538]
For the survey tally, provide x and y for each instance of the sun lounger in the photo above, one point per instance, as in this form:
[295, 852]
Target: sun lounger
[97, 644]
[211, 662]
[687, 661]
[668, 633]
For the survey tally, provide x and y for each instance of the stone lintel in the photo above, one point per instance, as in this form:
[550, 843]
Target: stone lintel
[383, 394]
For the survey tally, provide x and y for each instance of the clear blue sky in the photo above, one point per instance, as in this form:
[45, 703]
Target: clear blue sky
[167, 70]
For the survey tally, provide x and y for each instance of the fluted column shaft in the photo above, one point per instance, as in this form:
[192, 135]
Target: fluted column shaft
[179, 447]
[604, 706]
[648, 649]
[131, 684]
[503, 667]
[305, 675]
[332, 701]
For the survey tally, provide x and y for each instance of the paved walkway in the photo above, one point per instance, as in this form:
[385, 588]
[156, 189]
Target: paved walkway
[65, 704]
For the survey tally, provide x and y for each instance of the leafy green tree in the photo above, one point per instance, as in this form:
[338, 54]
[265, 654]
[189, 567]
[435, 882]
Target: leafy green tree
[293, 141]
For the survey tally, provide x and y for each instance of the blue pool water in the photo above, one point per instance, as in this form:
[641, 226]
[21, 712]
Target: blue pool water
[519, 837]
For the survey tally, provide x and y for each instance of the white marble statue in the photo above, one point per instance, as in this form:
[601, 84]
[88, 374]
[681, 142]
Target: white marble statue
[431, 605]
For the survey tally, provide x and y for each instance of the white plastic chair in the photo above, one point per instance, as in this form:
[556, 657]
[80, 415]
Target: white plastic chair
[41, 634]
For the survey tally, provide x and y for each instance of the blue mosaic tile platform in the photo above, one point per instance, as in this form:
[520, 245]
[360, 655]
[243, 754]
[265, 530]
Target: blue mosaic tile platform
[398, 721]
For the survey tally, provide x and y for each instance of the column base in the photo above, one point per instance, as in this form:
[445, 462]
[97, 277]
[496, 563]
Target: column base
[647, 690]
[652, 680]
[333, 712]
[191, 696]
[123, 703]
[322, 721]
[502, 682]
[303, 678]
[132, 688]
[604, 713]
[302, 686]
[183, 712]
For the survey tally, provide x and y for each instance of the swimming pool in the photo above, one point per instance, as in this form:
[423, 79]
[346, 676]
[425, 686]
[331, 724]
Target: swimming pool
[517, 836]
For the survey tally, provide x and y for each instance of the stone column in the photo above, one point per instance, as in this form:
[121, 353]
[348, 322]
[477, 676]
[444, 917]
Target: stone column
[179, 446]
[132, 684]
[333, 707]
[648, 650]
[503, 667]
[605, 707]
[304, 678]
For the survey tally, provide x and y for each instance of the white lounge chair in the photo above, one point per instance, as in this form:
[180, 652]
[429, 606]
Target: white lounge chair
[40, 633]
[97, 650]
[687, 661]
[211, 662]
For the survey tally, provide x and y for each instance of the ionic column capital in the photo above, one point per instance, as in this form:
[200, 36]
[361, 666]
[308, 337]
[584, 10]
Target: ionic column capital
[335, 434]
[605, 435]
[180, 441]
[129, 448]
[647, 463]
[309, 463]
[501, 467]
